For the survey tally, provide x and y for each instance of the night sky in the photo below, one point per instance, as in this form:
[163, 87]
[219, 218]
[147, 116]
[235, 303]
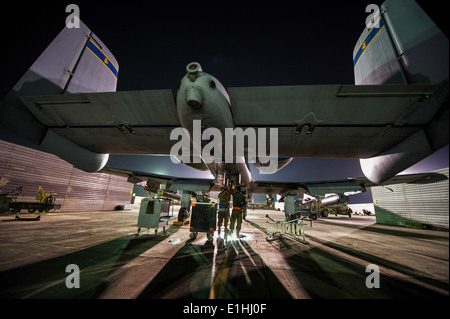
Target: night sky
[241, 43]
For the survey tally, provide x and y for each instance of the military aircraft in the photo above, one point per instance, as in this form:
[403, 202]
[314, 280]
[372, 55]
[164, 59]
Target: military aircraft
[395, 115]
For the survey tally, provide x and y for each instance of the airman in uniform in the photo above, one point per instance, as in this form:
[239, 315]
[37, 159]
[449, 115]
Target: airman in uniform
[239, 202]
[224, 211]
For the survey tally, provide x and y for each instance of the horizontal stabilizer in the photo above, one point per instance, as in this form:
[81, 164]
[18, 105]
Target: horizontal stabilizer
[339, 121]
[136, 122]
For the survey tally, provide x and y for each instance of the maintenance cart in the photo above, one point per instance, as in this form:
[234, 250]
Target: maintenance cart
[308, 210]
[154, 213]
[45, 203]
[203, 219]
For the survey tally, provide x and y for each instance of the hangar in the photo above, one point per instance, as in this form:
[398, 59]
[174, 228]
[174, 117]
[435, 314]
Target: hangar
[418, 206]
[75, 190]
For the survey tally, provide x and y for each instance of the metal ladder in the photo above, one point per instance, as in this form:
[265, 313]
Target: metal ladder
[294, 228]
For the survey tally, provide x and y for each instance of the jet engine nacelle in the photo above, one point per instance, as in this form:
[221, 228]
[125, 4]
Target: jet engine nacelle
[282, 162]
[398, 158]
[72, 153]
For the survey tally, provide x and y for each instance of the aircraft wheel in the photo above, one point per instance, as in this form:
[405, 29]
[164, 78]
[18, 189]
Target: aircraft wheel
[325, 213]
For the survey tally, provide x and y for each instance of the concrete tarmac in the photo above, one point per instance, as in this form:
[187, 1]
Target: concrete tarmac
[115, 263]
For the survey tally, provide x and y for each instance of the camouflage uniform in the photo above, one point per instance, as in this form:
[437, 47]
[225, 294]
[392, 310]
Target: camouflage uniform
[236, 215]
[224, 212]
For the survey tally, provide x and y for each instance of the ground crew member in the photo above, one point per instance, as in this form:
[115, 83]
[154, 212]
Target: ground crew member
[236, 216]
[224, 212]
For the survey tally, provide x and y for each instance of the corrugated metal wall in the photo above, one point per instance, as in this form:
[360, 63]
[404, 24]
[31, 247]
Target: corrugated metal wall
[413, 205]
[76, 190]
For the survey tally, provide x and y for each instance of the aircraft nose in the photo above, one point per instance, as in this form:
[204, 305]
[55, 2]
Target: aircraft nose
[194, 97]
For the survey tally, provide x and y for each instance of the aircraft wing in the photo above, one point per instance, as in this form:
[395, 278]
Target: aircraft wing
[320, 187]
[172, 183]
[125, 122]
[420, 178]
[339, 186]
[339, 121]
[206, 185]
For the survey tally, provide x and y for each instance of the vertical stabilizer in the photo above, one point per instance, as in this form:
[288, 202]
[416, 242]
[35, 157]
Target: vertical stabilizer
[76, 61]
[95, 71]
[375, 60]
[402, 45]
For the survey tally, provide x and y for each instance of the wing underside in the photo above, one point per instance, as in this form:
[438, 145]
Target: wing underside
[126, 122]
[319, 187]
[340, 186]
[340, 121]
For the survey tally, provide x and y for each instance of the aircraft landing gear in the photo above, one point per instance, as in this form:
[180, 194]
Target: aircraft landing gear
[183, 214]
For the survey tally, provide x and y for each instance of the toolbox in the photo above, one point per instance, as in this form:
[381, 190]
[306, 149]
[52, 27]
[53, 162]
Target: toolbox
[203, 218]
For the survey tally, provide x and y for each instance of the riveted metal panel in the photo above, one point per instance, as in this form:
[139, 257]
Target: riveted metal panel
[374, 57]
